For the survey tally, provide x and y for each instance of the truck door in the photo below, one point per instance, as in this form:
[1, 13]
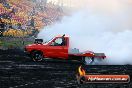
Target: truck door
[58, 49]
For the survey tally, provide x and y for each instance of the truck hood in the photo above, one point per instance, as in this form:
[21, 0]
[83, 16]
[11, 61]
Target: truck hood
[37, 44]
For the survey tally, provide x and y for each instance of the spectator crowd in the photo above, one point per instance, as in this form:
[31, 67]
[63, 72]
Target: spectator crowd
[20, 18]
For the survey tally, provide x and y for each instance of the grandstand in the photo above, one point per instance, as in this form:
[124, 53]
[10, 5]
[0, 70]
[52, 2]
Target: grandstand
[21, 18]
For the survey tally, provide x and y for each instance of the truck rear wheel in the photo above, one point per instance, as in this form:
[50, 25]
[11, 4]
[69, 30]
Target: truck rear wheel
[37, 56]
[92, 61]
[88, 60]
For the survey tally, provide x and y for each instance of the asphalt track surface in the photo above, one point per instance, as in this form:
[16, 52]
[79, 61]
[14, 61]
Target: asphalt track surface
[18, 71]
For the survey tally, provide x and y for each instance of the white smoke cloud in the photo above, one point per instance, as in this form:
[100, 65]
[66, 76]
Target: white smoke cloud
[106, 30]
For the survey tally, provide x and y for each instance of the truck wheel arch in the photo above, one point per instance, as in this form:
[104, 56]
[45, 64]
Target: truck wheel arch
[36, 51]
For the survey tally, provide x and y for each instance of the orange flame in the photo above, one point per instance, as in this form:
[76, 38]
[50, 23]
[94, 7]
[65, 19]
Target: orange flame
[81, 71]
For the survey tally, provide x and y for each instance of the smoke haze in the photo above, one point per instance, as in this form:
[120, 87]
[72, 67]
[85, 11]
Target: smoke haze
[102, 27]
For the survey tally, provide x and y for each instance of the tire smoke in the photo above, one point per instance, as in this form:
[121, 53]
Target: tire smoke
[101, 30]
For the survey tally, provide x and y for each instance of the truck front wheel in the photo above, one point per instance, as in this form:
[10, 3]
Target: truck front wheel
[37, 56]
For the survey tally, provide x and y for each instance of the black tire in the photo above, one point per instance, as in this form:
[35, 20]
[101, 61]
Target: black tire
[37, 56]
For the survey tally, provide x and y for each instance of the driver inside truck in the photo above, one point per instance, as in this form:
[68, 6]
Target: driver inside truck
[59, 41]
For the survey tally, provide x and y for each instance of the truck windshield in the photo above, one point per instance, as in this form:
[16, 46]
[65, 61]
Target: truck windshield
[49, 40]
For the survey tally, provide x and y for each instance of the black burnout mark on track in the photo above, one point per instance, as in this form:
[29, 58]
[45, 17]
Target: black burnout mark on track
[18, 71]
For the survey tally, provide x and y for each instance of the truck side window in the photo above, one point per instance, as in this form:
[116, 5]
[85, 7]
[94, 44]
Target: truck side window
[57, 42]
